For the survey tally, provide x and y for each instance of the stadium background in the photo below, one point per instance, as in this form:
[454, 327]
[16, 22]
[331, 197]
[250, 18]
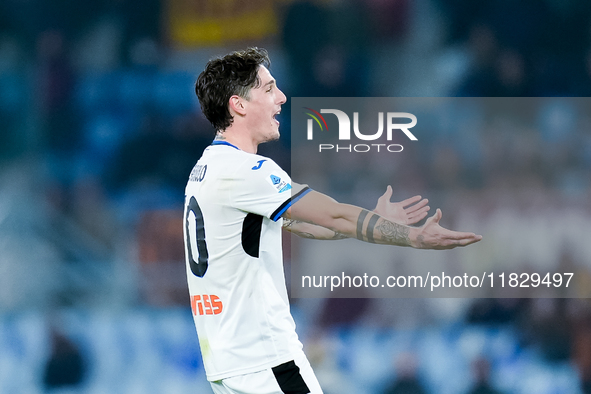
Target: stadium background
[100, 128]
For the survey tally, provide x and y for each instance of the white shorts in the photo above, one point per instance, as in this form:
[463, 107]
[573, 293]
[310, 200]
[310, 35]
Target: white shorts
[293, 377]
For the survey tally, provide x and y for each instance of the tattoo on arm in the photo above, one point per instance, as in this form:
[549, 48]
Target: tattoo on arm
[338, 235]
[287, 223]
[360, 221]
[396, 233]
[305, 235]
[420, 241]
[390, 232]
[370, 228]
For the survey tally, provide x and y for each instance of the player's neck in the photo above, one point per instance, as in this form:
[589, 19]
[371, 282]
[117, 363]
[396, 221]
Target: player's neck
[239, 140]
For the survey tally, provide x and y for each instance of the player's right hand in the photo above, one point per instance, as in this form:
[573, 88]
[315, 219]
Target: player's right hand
[410, 211]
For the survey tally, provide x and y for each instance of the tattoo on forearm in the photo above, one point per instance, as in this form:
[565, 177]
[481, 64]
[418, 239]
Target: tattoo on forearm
[370, 227]
[305, 235]
[360, 221]
[287, 223]
[394, 232]
[420, 241]
[338, 235]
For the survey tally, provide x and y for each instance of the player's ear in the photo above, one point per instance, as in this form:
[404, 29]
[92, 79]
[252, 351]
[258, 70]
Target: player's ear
[236, 104]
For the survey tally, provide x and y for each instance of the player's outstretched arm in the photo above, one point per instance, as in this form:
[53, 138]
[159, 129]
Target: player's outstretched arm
[355, 222]
[409, 211]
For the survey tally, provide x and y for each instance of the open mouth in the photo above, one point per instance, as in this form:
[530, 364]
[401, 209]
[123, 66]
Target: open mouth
[275, 116]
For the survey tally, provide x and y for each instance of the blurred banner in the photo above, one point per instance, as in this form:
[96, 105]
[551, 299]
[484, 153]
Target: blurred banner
[515, 170]
[212, 22]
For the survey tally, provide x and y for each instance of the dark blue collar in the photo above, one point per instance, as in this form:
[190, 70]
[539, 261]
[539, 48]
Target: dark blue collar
[218, 142]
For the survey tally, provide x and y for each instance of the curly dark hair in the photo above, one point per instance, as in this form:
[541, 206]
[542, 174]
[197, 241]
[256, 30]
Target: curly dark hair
[234, 74]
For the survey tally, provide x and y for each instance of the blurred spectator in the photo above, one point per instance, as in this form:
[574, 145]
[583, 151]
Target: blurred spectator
[483, 48]
[496, 71]
[549, 328]
[141, 31]
[390, 19]
[12, 96]
[540, 46]
[55, 90]
[329, 58]
[343, 312]
[581, 345]
[161, 254]
[161, 154]
[511, 74]
[493, 311]
[303, 45]
[407, 381]
[90, 208]
[66, 367]
[481, 371]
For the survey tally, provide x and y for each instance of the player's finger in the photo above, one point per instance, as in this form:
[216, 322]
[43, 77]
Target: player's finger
[418, 211]
[435, 218]
[414, 220]
[388, 193]
[410, 200]
[450, 244]
[416, 206]
[418, 215]
[450, 234]
[469, 241]
[385, 198]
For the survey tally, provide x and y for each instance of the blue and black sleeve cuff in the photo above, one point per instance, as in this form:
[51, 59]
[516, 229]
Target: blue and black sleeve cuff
[288, 203]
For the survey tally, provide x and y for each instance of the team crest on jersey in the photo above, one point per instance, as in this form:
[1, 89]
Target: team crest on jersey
[279, 184]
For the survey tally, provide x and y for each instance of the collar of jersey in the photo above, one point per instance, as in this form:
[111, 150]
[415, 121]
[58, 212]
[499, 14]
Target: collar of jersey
[218, 142]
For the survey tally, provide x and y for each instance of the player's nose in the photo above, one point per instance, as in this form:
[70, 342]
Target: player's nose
[281, 98]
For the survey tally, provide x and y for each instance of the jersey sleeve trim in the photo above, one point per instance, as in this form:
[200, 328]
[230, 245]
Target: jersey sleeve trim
[288, 203]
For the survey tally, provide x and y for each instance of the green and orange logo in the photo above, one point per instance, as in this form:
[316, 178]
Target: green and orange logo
[315, 116]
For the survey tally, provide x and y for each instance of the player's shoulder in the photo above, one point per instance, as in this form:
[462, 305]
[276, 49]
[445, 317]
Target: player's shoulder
[224, 151]
[238, 164]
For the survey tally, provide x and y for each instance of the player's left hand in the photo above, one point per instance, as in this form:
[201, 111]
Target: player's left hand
[410, 211]
[432, 236]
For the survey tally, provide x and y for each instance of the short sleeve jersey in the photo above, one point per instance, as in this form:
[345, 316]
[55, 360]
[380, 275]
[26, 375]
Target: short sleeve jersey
[233, 206]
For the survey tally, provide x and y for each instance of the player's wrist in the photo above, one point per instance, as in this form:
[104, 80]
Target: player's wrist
[416, 238]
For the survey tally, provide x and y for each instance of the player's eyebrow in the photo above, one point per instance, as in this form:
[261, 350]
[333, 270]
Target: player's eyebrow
[271, 82]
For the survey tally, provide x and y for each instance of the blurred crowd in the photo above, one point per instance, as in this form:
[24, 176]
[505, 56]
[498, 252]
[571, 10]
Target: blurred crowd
[100, 128]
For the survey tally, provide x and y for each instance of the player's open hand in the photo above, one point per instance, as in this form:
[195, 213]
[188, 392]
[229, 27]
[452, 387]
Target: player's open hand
[410, 211]
[432, 236]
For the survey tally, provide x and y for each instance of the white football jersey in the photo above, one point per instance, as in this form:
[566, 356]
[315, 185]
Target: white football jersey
[233, 206]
